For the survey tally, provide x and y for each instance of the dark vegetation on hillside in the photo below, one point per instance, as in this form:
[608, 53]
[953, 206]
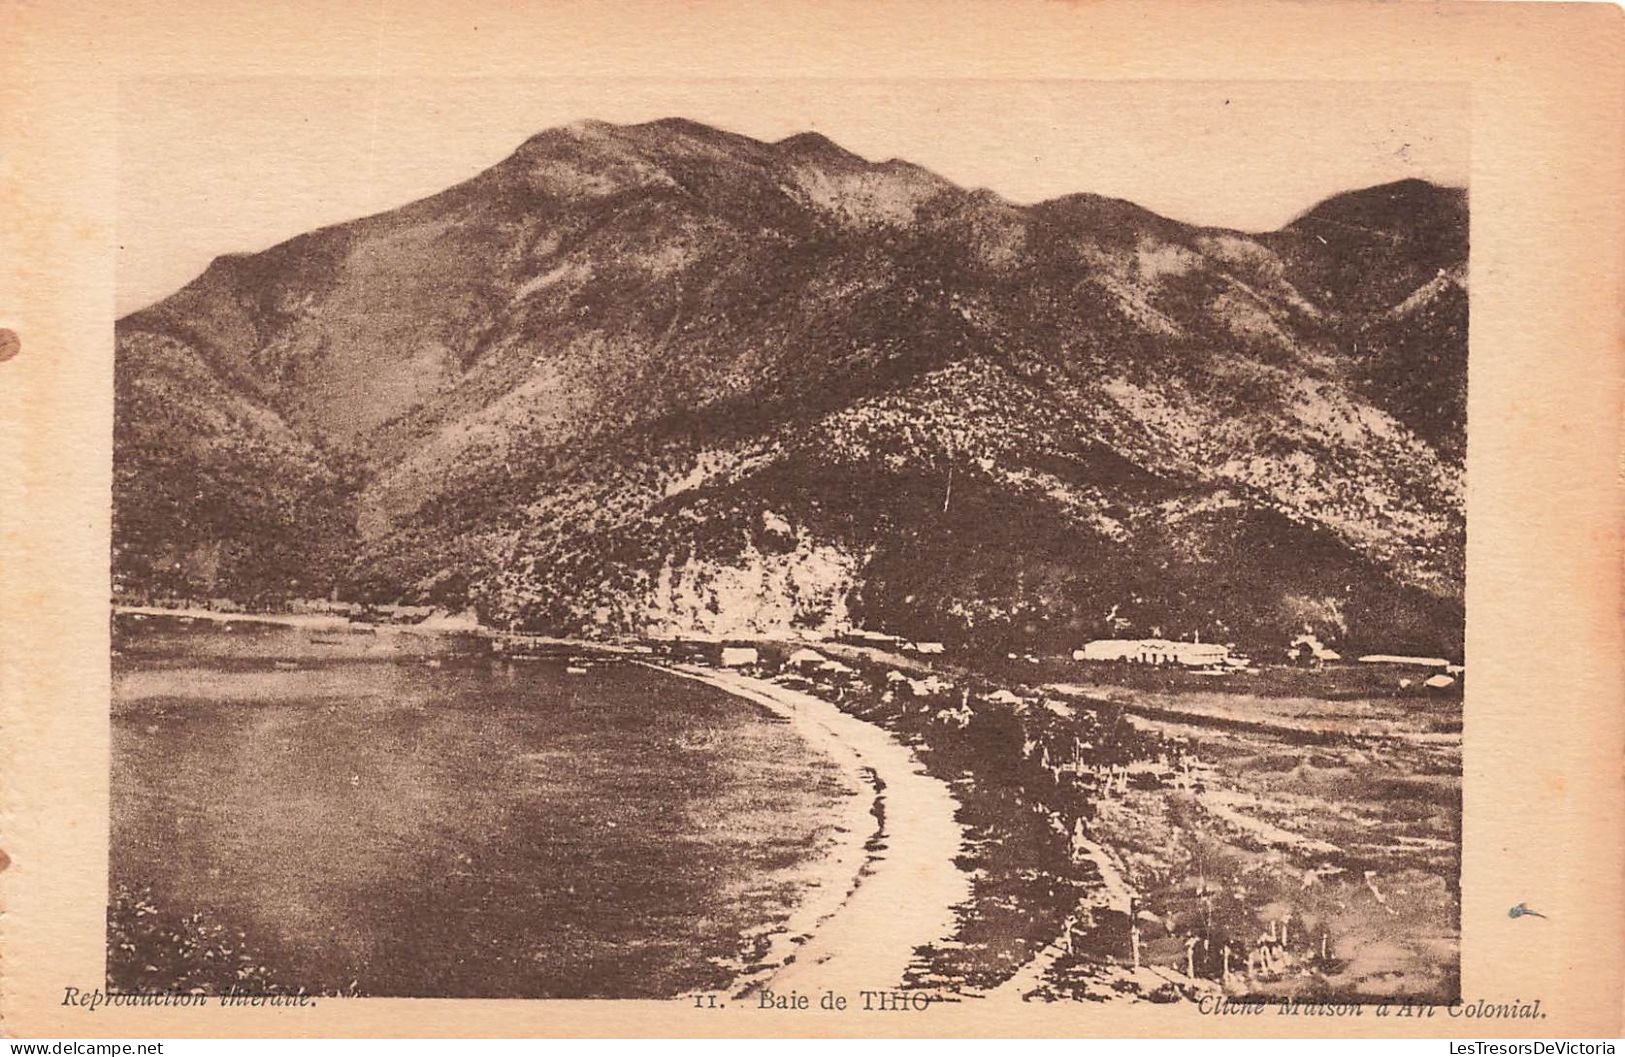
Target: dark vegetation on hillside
[662, 378]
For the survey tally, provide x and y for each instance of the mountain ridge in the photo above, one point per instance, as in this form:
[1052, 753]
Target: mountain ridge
[633, 379]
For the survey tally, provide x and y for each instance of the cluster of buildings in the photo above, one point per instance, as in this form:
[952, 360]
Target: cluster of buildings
[1443, 673]
[1432, 672]
[1195, 654]
[1205, 658]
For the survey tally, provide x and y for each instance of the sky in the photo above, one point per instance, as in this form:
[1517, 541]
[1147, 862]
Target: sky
[235, 165]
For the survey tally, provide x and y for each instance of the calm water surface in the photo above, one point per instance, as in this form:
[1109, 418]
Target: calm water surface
[484, 828]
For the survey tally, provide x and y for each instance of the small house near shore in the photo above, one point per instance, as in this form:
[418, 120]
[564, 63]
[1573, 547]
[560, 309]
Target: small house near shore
[1407, 662]
[805, 658]
[1154, 651]
[878, 638]
[738, 656]
[1308, 649]
[402, 614]
[325, 607]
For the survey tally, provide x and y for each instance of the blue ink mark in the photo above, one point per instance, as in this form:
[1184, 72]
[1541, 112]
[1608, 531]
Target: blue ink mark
[1522, 910]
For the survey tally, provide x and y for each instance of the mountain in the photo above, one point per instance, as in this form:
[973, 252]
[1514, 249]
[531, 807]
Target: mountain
[657, 378]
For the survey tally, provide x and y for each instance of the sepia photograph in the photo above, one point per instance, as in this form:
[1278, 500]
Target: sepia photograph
[933, 542]
[738, 521]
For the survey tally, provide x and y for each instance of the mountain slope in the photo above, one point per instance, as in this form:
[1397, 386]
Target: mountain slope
[665, 378]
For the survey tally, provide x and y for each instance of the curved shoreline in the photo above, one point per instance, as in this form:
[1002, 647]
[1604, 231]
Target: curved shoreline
[887, 887]
[891, 887]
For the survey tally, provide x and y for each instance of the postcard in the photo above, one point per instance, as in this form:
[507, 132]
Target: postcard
[812, 519]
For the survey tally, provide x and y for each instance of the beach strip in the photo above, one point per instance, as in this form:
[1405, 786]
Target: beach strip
[894, 886]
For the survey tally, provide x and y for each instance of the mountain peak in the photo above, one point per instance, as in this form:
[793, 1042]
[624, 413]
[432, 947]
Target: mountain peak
[681, 127]
[571, 136]
[584, 128]
[1402, 203]
[570, 391]
[812, 143]
[646, 146]
[588, 125]
[669, 132]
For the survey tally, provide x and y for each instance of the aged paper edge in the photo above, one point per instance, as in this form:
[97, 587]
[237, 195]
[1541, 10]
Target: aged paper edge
[1544, 809]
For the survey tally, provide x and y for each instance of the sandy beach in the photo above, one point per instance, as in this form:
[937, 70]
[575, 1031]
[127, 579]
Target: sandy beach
[892, 887]
[886, 887]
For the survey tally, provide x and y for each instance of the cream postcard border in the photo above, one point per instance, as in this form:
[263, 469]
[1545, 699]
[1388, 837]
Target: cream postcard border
[1544, 796]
